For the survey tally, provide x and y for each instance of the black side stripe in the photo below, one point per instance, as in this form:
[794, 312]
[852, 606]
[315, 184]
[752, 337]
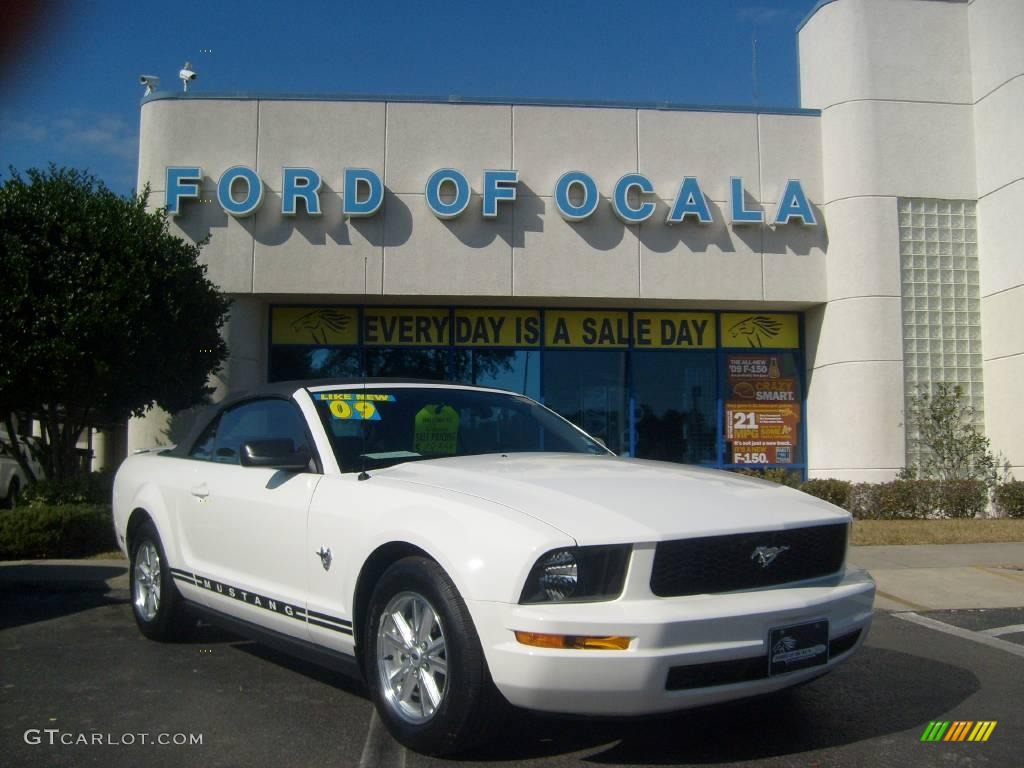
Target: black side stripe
[274, 605]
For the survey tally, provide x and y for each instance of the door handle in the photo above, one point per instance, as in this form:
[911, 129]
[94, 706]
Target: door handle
[200, 491]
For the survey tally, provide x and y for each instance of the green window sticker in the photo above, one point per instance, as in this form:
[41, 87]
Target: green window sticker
[437, 430]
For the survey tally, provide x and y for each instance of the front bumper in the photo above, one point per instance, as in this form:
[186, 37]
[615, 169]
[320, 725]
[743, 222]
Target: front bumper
[702, 632]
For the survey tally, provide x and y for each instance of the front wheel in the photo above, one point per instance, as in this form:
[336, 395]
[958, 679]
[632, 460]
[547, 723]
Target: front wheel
[424, 664]
[156, 603]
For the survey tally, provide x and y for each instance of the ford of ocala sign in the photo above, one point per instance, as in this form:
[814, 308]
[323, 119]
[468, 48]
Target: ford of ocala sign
[240, 193]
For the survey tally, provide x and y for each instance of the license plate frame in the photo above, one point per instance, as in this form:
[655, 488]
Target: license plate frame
[794, 647]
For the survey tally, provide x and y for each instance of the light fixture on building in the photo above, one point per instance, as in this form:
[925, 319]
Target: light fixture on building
[152, 82]
[186, 74]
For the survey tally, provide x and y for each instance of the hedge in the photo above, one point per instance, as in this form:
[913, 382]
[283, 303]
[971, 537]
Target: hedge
[93, 488]
[66, 530]
[1009, 499]
[911, 499]
[833, 491]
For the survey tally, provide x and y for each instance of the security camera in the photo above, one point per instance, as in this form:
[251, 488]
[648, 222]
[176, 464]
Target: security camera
[186, 75]
[152, 82]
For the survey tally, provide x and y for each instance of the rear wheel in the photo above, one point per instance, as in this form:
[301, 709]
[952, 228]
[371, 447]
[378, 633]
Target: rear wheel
[424, 664]
[156, 604]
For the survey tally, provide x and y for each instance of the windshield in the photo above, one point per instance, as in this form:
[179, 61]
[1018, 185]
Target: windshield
[383, 426]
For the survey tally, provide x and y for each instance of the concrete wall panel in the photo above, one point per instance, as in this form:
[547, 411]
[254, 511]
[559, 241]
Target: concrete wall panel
[863, 247]
[548, 141]
[901, 149]
[424, 255]
[1000, 140]
[597, 257]
[421, 138]
[885, 49]
[212, 134]
[327, 136]
[996, 51]
[713, 146]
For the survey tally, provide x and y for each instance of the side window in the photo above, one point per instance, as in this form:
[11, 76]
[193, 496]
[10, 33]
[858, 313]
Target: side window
[203, 449]
[257, 420]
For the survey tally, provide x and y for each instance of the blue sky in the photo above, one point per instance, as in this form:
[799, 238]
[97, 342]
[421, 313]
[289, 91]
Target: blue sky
[70, 92]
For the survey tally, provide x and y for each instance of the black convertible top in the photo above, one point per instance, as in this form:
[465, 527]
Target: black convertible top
[285, 389]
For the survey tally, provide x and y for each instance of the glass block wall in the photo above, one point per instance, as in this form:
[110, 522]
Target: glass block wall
[941, 299]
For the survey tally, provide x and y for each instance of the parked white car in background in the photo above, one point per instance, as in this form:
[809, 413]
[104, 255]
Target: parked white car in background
[461, 548]
[12, 477]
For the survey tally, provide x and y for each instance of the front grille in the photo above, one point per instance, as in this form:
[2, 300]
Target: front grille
[728, 563]
[739, 670]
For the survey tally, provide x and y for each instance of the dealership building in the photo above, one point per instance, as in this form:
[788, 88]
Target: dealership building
[715, 286]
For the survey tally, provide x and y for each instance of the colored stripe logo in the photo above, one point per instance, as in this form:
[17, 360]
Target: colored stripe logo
[958, 730]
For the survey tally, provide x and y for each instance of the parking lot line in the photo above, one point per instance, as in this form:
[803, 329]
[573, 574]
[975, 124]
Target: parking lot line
[1007, 630]
[380, 750]
[966, 634]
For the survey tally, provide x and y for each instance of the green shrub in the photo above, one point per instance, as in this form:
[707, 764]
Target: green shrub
[895, 500]
[67, 530]
[918, 499]
[833, 491]
[778, 475]
[1009, 499]
[961, 498]
[93, 488]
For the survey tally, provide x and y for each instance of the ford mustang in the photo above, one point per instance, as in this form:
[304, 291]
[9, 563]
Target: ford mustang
[463, 549]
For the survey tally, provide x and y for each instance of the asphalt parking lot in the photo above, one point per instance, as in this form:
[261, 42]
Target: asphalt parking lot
[75, 666]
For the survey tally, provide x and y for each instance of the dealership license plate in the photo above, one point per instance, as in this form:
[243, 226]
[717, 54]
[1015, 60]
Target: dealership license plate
[797, 647]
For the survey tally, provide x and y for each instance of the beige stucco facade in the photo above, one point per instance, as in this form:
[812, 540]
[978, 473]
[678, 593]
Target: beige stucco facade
[900, 99]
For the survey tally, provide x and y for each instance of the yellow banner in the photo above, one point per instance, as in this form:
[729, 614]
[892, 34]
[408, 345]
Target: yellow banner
[760, 329]
[497, 327]
[607, 330]
[314, 325]
[426, 327]
[674, 330]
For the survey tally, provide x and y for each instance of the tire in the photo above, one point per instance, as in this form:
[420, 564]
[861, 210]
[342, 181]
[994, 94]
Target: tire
[448, 702]
[156, 603]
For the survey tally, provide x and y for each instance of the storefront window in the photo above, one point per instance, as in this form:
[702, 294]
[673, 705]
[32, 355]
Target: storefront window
[287, 363]
[408, 362]
[722, 389]
[516, 370]
[763, 401]
[588, 387]
[674, 406]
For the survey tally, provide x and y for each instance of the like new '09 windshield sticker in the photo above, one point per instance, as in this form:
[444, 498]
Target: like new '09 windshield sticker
[355, 405]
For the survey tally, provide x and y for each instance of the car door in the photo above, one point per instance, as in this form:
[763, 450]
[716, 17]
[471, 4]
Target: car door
[244, 528]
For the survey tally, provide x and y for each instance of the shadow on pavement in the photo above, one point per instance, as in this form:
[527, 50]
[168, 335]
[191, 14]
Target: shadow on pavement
[840, 708]
[30, 605]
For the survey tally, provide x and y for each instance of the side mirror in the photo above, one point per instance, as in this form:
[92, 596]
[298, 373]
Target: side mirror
[279, 453]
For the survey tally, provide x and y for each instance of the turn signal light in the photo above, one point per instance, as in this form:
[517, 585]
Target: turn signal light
[574, 642]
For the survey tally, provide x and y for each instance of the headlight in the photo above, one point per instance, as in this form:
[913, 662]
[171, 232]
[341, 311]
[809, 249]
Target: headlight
[577, 574]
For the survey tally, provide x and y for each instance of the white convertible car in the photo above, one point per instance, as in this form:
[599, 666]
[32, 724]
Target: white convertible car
[464, 548]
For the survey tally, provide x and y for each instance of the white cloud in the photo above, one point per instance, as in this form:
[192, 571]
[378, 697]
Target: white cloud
[76, 131]
[759, 14]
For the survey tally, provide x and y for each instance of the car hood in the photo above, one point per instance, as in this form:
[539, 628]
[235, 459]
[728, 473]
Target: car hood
[605, 499]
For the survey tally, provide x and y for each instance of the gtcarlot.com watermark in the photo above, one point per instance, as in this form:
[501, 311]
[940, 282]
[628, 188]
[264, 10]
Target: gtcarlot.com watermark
[55, 737]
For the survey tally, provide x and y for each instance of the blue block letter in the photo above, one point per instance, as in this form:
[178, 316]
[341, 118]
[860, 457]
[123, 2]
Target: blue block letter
[366, 182]
[498, 185]
[296, 183]
[565, 206]
[440, 208]
[182, 182]
[253, 191]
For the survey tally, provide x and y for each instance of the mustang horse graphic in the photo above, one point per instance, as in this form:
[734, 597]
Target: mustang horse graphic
[757, 329]
[322, 322]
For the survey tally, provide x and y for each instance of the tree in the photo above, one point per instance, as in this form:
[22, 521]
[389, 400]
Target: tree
[103, 312]
[944, 435]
